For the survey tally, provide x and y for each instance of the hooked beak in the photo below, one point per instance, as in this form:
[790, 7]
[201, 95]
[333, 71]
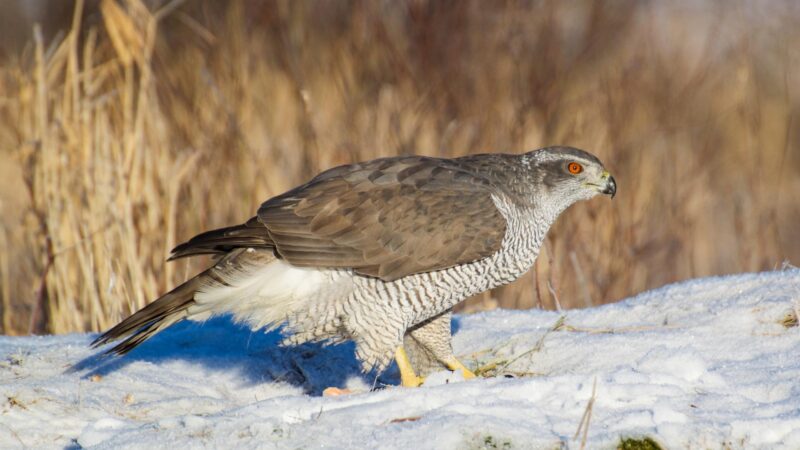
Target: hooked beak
[610, 186]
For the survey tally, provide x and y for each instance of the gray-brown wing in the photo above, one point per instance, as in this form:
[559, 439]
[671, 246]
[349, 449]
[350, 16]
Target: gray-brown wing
[387, 218]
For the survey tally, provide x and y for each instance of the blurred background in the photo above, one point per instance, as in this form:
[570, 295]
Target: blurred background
[128, 126]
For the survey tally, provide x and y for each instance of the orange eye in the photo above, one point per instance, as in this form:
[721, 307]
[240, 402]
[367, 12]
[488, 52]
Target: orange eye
[574, 168]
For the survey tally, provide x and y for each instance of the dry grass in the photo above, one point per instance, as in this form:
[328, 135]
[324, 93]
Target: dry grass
[144, 125]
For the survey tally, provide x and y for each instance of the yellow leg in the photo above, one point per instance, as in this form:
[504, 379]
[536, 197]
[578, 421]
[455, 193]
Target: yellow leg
[407, 376]
[454, 364]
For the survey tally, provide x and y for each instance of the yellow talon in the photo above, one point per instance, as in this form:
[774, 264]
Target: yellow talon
[407, 376]
[454, 364]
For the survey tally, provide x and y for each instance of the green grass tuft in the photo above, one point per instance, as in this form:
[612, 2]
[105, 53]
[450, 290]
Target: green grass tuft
[644, 443]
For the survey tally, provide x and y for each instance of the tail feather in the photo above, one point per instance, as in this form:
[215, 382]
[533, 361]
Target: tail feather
[169, 309]
[251, 234]
[182, 302]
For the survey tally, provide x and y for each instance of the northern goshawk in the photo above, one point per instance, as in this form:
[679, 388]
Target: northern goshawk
[378, 252]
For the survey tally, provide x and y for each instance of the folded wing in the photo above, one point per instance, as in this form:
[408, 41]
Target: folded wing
[386, 218]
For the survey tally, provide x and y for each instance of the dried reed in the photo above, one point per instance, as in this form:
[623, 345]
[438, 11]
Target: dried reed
[141, 127]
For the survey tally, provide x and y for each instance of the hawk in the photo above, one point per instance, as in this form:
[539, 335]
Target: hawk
[378, 252]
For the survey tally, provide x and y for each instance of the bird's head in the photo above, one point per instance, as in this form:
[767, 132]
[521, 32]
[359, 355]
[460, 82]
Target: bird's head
[565, 175]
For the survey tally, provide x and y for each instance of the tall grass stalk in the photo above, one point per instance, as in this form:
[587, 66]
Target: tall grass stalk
[139, 127]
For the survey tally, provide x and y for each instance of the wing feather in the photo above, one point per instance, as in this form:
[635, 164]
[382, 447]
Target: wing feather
[251, 234]
[387, 218]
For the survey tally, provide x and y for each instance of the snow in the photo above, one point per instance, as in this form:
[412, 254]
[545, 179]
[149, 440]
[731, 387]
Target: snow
[709, 363]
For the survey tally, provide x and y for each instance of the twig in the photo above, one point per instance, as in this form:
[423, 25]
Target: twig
[587, 417]
[536, 286]
[539, 344]
[319, 414]
[374, 383]
[555, 296]
[40, 316]
[618, 330]
[38, 324]
[551, 281]
[587, 297]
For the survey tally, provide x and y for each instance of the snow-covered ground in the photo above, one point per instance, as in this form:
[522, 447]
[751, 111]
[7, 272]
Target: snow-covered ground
[709, 363]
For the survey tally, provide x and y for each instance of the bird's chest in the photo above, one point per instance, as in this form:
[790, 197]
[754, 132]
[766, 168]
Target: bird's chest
[517, 254]
[432, 293]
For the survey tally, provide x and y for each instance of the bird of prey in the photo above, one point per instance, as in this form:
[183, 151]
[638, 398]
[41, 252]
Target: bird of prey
[378, 252]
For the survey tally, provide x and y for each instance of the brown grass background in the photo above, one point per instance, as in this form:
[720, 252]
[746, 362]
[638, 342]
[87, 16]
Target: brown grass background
[127, 127]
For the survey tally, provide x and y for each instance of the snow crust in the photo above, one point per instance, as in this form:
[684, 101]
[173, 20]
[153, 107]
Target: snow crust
[709, 363]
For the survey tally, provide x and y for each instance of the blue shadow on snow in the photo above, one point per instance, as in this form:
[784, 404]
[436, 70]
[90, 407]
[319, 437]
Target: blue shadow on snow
[219, 344]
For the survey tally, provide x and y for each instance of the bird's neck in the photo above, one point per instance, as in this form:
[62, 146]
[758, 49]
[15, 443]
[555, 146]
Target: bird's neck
[525, 232]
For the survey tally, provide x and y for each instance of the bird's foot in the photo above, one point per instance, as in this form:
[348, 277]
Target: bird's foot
[454, 365]
[408, 378]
